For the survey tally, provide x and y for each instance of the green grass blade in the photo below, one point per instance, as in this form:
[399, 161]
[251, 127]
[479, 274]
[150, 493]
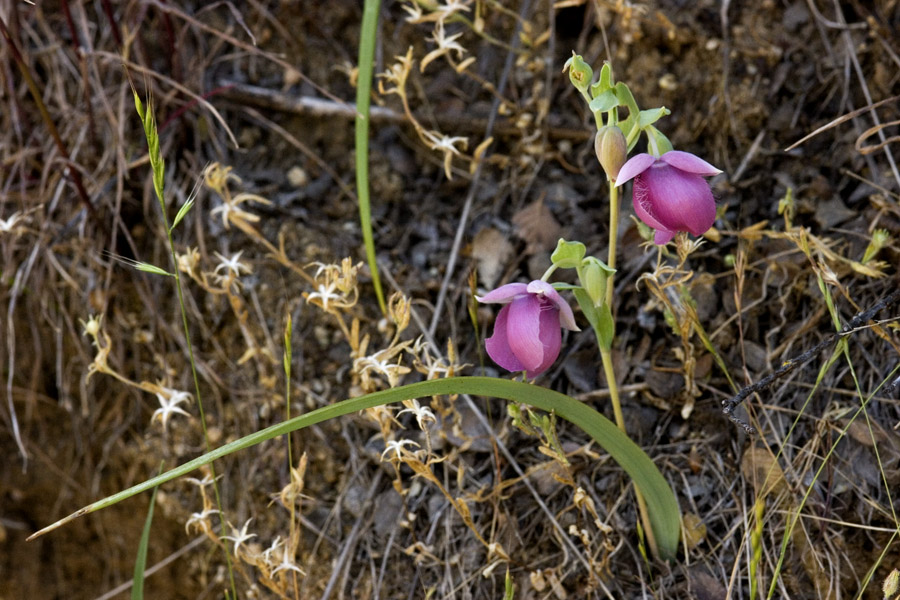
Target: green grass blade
[363, 99]
[509, 592]
[140, 563]
[665, 516]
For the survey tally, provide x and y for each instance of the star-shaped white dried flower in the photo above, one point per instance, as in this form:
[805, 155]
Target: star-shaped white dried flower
[169, 401]
[423, 414]
[415, 13]
[287, 565]
[335, 286]
[202, 483]
[239, 537]
[276, 543]
[325, 295]
[445, 45]
[232, 266]
[382, 363]
[200, 520]
[447, 145]
[233, 214]
[396, 446]
[437, 13]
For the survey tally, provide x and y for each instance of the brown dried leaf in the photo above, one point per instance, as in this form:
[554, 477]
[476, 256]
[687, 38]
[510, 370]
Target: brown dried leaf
[759, 466]
[860, 432]
[704, 586]
[810, 559]
[538, 227]
[693, 530]
[491, 251]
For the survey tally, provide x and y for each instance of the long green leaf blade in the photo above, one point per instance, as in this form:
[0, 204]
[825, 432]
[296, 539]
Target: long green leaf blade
[363, 100]
[665, 515]
[140, 563]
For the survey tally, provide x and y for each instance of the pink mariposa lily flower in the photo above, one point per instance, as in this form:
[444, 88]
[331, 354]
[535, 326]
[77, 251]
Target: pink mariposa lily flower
[527, 334]
[670, 193]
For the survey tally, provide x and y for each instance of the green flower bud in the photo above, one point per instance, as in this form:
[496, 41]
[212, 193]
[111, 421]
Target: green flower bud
[580, 73]
[611, 149]
[594, 275]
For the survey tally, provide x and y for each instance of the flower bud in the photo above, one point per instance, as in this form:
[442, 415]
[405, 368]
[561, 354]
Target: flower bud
[611, 149]
[594, 275]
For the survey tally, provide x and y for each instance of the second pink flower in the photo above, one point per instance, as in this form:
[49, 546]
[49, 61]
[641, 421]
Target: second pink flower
[670, 193]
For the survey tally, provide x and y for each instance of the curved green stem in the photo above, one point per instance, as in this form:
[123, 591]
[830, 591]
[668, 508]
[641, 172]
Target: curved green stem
[550, 270]
[665, 518]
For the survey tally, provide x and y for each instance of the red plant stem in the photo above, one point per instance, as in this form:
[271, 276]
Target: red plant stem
[71, 24]
[107, 9]
[174, 63]
[74, 173]
[83, 68]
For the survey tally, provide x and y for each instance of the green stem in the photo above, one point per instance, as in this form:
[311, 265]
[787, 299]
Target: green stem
[196, 376]
[613, 239]
[598, 119]
[550, 270]
[609, 372]
[363, 100]
[157, 164]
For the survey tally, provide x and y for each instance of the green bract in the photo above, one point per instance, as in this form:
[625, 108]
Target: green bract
[604, 83]
[568, 255]
[604, 102]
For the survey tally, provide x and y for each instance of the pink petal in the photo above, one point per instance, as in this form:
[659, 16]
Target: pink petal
[523, 330]
[663, 237]
[643, 206]
[636, 165]
[689, 163]
[566, 317]
[498, 345]
[504, 293]
[551, 340]
[677, 200]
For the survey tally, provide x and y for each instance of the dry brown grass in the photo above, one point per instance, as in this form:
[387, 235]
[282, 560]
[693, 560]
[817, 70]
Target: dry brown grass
[476, 495]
